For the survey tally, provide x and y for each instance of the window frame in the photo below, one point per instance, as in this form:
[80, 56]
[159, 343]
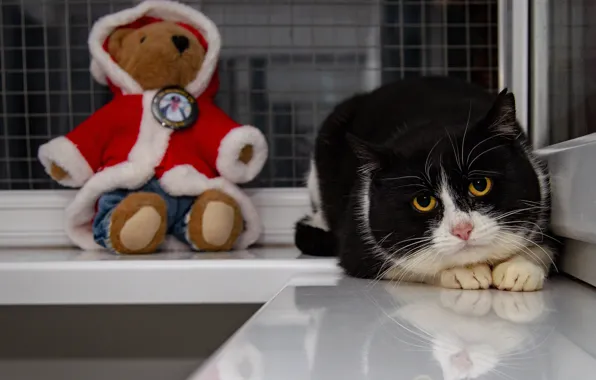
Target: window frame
[573, 217]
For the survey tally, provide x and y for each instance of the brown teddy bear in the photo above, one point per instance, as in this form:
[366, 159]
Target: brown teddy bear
[161, 158]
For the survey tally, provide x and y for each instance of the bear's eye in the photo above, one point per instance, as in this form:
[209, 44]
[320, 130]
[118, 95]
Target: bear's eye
[143, 39]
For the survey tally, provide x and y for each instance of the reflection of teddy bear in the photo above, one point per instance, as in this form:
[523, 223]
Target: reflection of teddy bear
[160, 158]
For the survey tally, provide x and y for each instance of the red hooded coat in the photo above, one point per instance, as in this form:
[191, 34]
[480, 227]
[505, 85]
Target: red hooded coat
[123, 146]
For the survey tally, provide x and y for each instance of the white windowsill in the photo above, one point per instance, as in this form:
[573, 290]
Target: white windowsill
[34, 218]
[71, 277]
[38, 267]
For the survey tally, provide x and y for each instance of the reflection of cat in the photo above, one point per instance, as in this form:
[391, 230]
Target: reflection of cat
[471, 333]
[357, 330]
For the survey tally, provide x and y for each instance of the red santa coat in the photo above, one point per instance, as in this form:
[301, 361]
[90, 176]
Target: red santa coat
[122, 145]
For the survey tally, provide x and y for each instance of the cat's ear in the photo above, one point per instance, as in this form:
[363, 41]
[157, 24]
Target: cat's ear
[501, 117]
[369, 154]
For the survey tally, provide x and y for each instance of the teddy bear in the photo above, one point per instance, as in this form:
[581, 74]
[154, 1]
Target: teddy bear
[160, 160]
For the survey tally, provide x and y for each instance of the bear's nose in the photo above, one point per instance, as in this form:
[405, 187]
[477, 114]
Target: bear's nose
[180, 42]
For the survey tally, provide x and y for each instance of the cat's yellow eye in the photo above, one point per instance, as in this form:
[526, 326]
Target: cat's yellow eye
[424, 203]
[480, 187]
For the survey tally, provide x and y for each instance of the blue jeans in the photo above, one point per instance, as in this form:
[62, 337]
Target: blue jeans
[177, 209]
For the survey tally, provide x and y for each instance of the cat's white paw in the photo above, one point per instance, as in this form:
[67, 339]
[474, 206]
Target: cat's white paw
[470, 278]
[467, 303]
[518, 275]
[519, 307]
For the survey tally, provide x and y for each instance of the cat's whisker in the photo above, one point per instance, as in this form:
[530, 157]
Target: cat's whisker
[511, 245]
[386, 266]
[518, 355]
[513, 212]
[398, 246]
[481, 229]
[542, 208]
[419, 257]
[525, 232]
[380, 242]
[411, 260]
[527, 250]
[519, 225]
[427, 256]
[422, 349]
[405, 256]
[424, 335]
[423, 241]
[427, 163]
[404, 177]
[515, 232]
[404, 267]
[483, 172]
[514, 245]
[416, 336]
[547, 254]
[455, 151]
[421, 344]
[529, 201]
[435, 258]
[416, 238]
[483, 153]
[463, 141]
[411, 185]
[500, 373]
[533, 203]
[506, 245]
[398, 250]
[382, 274]
[482, 142]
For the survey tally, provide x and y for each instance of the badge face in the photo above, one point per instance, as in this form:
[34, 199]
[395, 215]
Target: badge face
[174, 108]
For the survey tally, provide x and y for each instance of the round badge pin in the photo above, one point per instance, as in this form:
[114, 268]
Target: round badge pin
[175, 108]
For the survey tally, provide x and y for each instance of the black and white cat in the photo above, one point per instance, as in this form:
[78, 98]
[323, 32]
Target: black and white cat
[429, 180]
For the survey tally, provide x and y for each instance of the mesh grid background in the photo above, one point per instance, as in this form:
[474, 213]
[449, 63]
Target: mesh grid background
[572, 77]
[284, 65]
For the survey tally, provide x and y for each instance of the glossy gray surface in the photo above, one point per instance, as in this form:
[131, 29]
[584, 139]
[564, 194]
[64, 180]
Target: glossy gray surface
[571, 167]
[353, 329]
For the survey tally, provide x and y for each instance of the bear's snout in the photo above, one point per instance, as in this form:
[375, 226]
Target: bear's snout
[181, 43]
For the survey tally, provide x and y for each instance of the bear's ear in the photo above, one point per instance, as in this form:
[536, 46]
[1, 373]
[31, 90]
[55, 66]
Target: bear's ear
[115, 42]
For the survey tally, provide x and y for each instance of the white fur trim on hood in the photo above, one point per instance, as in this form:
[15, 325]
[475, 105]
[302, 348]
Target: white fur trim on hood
[230, 147]
[102, 65]
[65, 154]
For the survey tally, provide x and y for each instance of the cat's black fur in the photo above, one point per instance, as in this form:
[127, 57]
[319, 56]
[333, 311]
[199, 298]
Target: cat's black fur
[398, 130]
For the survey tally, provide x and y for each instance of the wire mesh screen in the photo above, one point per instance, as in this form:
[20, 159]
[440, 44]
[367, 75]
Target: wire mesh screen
[284, 65]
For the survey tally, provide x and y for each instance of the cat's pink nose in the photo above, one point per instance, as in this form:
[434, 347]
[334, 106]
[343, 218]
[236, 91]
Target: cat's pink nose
[462, 230]
[462, 361]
